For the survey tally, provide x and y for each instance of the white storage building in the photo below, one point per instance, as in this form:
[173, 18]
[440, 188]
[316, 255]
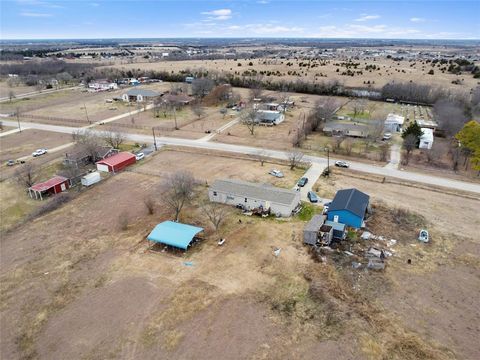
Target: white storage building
[91, 178]
[281, 202]
[394, 122]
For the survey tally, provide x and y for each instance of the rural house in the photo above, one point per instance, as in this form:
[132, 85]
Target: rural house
[117, 162]
[249, 195]
[174, 234]
[55, 185]
[177, 99]
[394, 123]
[80, 156]
[342, 129]
[349, 207]
[140, 95]
[102, 85]
[270, 117]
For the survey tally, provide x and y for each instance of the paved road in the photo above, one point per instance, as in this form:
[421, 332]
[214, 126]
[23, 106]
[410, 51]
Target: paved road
[367, 168]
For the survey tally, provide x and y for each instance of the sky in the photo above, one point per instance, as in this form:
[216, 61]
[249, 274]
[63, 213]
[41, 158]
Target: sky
[426, 19]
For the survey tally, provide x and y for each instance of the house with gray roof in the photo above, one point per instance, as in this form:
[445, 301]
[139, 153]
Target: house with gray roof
[270, 117]
[349, 207]
[346, 129]
[140, 95]
[281, 202]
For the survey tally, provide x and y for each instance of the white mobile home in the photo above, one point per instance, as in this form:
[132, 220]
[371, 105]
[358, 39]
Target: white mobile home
[270, 117]
[426, 140]
[281, 202]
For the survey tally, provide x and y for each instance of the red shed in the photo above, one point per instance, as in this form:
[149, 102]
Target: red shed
[55, 185]
[116, 162]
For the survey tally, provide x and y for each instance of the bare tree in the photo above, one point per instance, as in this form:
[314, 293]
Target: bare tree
[337, 142]
[384, 150]
[202, 86]
[198, 109]
[26, 174]
[348, 144]
[358, 107]
[177, 190]
[11, 95]
[248, 117]
[255, 90]
[88, 141]
[114, 137]
[294, 158]
[149, 204]
[261, 156]
[450, 115]
[1, 125]
[215, 212]
[322, 113]
[371, 106]
[409, 144]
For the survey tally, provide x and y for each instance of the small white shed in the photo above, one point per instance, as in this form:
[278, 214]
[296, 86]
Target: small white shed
[426, 140]
[91, 178]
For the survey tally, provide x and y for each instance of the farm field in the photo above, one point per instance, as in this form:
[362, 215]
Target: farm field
[16, 89]
[388, 70]
[86, 283]
[20, 144]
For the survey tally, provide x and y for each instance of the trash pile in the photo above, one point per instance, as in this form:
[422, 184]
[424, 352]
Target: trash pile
[374, 256]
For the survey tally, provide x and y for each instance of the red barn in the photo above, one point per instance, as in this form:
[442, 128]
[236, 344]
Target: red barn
[55, 185]
[116, 162]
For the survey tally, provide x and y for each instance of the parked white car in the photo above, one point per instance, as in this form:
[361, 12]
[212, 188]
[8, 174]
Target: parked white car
[139, 156]
[342, 164]
[276, 173]
[39, 152]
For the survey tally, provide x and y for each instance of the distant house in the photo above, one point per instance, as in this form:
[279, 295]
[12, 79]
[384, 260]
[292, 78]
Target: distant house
[55, 185]
[189, 79]
[394, 123]
[116, 162]
[178, 99]
[249, 195]
[79, 156]
[102, 85]
[426, 140]
[349, 207]
[427, 124]
[140, 95]
[343, 129]
[270, 117]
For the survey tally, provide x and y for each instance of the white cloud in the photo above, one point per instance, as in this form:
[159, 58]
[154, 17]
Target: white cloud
[266, 29]
[220, 14]
[360, 31]
[417, 19]
[365, 17]
[94, 4]
[263, 2]
[34, 14]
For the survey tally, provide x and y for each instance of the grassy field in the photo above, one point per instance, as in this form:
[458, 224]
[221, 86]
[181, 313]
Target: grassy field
[83, 277]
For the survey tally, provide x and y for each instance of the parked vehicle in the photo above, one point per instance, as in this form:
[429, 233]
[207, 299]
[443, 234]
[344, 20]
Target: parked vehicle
[342, 164]
[11, 162]
[312, 197]
[39, 152]
[139, 156]
[302, 182]
[387, 136]
[325, 208]
[276, 173]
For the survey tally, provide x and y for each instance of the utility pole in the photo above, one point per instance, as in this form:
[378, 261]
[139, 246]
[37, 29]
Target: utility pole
[154, 140]
[18, 119]
[175, 116]
[328, 161]
[86, 113]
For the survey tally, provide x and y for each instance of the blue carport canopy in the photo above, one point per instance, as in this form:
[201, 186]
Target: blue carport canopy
[174, 234]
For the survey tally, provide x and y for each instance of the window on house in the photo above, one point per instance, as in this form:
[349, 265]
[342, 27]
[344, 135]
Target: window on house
[214, 193]
[245, 199]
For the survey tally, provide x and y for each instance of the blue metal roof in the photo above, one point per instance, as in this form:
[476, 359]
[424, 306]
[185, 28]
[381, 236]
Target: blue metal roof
[174, 234]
